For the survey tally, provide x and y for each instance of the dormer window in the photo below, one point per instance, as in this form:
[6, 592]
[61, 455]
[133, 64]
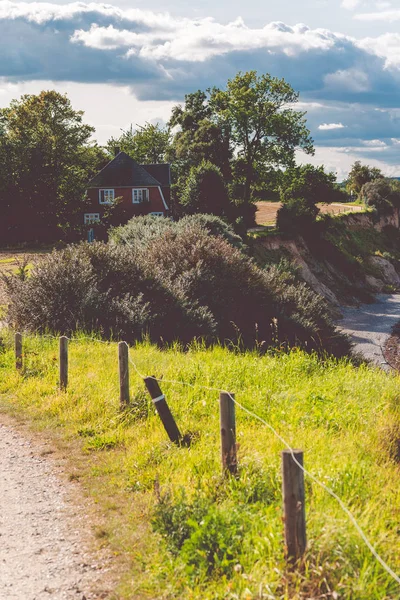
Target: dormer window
[106, 196]
[140, 195]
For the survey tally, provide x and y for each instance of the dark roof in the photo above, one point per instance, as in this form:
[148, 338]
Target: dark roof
[161, 172]
[122, 171]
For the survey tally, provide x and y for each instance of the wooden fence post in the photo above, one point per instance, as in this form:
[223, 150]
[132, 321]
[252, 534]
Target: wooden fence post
[123, 361]
[63, 362]
[163, 410]
[18, 351]
[294, 504]
[228, 432]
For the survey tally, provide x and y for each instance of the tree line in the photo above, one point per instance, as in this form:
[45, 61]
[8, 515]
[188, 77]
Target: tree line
[227, 148]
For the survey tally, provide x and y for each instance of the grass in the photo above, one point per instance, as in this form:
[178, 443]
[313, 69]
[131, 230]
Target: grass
[359, 244]
[183, 531]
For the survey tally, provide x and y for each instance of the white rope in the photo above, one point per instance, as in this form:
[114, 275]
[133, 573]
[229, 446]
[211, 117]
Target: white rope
[305, 471]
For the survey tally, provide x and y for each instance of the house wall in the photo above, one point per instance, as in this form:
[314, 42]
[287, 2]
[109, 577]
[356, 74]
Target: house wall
[155, 205]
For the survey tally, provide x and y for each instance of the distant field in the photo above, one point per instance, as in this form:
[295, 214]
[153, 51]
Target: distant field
[266, 211]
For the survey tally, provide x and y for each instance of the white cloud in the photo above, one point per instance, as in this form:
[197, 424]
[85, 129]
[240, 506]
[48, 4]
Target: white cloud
[199, 40]
[109, 108]
[351, 4]
[351, 80]
[340, 160]
[375, 143]
[387, 15]
[386, 46]
[330, 126]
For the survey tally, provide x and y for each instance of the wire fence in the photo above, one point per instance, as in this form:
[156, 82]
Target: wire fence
[124, 374]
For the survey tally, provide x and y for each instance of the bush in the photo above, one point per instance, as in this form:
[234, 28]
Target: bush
[185, 284]
[98, 287]
[297, 216]
[140, 231]
[381, 195]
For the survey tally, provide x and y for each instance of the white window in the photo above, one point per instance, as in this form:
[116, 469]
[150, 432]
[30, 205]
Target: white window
[140, 195]
[157, 214]
[106, 196]
[90, 218]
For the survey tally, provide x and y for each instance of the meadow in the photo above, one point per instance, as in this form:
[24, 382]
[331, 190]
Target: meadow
[177, 526]
[266, 211]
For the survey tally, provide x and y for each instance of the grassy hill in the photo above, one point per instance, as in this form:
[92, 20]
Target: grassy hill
[180, 529]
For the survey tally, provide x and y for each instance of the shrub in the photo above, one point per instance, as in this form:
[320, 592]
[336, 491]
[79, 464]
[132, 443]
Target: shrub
[301, 189]
[216, 227]
[140, 231]
[97, 287]
[381, 195]
[205, 271]
[297, 216]
[185, 284]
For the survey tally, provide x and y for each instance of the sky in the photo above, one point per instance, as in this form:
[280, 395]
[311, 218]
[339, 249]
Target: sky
[130, 62]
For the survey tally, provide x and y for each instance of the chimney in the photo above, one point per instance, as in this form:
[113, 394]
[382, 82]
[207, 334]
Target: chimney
[117, 150]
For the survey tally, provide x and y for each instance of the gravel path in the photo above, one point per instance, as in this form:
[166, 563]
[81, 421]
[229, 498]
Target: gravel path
[370, 326]
[42, 552]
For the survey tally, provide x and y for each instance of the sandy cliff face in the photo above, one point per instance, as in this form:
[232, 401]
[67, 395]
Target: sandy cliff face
[330, 277]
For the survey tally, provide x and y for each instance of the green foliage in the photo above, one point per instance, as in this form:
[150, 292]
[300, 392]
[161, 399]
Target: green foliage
[297, 217]
[140, 231]
[205, 191]
[382, 195]
[311, 183]
[301, 188]
[186, 283]
[343, 417]
[199, 137]
[46, 160]
[360, 175]
[264, 131]
[148, 144]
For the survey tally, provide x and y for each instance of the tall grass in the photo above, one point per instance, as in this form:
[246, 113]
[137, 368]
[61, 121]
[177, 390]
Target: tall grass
[187, 533]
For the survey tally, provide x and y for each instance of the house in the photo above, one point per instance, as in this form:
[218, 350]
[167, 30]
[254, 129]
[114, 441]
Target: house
[140, 190]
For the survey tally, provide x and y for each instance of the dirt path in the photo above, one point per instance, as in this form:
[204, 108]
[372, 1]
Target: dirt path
[370, 326]
[43, 534]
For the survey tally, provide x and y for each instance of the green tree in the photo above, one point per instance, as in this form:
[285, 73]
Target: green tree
[49, 158]
[311, 183]
[301, 188]
[382, 194]
[148, 144]
[265, 129]
[199, 136]
[205, 191]
[360, 175]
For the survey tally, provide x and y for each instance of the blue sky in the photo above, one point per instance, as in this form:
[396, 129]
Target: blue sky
[130, 62]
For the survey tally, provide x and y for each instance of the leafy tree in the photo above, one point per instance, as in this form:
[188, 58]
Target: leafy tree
[205, 191]
[300, 190]
[382, 194]
[311, 183]
[265, 130]
[147, 144]
[360, 175]
[48, 157]
[199, 136]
